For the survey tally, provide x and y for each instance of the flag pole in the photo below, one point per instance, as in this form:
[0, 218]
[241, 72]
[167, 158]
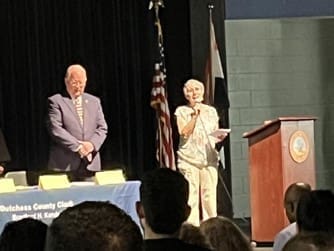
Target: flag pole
[209, 97]
[211, 86]
[210, 7]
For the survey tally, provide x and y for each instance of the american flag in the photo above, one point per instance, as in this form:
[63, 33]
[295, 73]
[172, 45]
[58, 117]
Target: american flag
[164, 140]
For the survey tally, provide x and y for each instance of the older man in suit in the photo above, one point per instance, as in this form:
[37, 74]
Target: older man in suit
[77, 127]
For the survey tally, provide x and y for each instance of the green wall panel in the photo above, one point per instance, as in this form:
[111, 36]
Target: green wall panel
[279, 67]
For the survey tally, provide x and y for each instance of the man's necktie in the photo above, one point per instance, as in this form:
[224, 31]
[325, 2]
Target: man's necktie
[79, 109]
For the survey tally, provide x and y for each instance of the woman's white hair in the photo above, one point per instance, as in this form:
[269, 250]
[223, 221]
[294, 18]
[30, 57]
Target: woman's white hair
[194, 83]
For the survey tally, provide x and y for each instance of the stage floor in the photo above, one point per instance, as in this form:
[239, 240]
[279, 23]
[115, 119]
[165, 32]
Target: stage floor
[244, 224]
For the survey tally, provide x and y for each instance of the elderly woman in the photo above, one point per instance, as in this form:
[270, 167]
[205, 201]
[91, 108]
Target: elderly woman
[197, 156]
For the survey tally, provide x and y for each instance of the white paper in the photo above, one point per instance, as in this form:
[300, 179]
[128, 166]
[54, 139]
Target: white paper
[220, 132]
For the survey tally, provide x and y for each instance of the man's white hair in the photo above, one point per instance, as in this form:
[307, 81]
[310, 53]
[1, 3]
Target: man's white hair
[77, 68]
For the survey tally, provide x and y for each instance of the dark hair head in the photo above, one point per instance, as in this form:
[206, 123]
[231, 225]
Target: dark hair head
[315, 211]
[94, 225]
[26, 234]
[316, 241]
[164, 196]
[192, 234]
[291, 198]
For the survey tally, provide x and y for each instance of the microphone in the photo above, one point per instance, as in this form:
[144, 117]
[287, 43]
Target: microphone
[195, 112]
[196, 107]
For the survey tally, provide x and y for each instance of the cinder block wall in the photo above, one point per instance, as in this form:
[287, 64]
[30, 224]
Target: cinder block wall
[279, 67]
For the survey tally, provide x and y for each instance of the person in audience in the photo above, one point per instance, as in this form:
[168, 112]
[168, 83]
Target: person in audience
[225, 235]
[93, 226]
[316, 241]
[315, 212]
[291, 198]
[162, 209]
[23, 235]
[192, 234]
[77, 127]
[197, 156]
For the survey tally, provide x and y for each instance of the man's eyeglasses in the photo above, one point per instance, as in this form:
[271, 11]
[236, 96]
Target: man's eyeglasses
[77, 83]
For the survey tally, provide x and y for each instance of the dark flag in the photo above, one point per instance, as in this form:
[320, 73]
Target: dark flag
[215, 84]
[216, 95]
[164, 140]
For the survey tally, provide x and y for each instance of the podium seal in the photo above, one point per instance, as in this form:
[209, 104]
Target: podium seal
[299, 146]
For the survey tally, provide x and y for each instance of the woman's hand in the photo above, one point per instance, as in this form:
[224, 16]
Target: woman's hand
[195, 113]
[222, 136]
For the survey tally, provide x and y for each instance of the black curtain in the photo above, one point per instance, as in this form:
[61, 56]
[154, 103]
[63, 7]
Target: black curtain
[112, 40]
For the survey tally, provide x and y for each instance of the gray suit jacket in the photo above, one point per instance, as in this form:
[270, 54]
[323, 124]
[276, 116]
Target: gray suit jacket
[4, 154]
[66, 131]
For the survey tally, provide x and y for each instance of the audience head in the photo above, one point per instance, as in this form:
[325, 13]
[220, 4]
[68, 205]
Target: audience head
[192, 234]
[291, 198]
[315, 211]
[96, 226]
[319, 241]
[224, 235]
[75, 80]
[163, 201]
[25, 235]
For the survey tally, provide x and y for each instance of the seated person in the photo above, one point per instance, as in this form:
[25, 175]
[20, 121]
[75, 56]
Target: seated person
[162, 209]
[93, 226]
[315, 212]
[26, 235]
[316, 241]
[192, 234]
[291, 198]
[224, 235]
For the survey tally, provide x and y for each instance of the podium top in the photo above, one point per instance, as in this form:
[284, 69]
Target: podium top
[269, 123]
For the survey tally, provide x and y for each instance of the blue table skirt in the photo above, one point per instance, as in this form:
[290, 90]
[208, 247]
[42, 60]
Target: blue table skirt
[47, 205]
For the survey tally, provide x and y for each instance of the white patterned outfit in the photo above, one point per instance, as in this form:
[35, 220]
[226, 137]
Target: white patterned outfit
[198, 162]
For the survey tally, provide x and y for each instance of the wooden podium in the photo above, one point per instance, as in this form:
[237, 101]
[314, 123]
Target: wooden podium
[281, 152]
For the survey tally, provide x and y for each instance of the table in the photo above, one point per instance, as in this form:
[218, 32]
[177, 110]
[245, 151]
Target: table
[46, 205]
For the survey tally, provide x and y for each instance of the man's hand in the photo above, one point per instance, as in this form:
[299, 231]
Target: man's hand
[86, 148]
[2, 169]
